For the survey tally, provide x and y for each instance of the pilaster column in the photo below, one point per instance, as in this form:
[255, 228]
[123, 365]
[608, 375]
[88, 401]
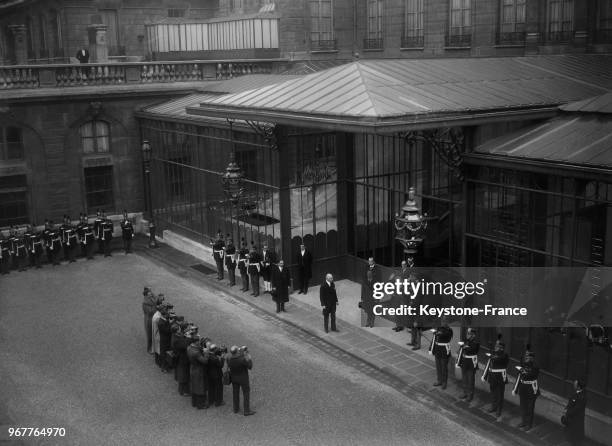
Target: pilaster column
[98, 49]
[21, 44]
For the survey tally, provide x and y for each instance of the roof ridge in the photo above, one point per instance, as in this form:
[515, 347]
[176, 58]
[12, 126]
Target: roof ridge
[365, 86]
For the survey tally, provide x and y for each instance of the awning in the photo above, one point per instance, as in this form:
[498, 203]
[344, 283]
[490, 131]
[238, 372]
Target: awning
[393, 95]
[580, 136]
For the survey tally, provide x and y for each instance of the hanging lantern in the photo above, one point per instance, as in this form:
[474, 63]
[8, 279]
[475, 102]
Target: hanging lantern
[410, 225]
[232, 180]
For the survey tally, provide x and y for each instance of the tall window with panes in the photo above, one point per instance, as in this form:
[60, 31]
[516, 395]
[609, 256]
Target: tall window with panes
[13, 188]
[460, 24]
[560, 20]
[511, 23]
[322, 25]
[412, 35]
[603, 33]
[374, 38]
[95, 137]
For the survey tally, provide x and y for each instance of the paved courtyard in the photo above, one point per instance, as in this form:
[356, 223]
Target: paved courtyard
[72, 355]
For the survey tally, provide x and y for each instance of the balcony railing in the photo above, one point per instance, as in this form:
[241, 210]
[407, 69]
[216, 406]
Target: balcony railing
[323, 45]
[373, 44]
[76, 75]
[602, 36]
[560, 36]
[510, 38]
[413, 41]
[458, 40]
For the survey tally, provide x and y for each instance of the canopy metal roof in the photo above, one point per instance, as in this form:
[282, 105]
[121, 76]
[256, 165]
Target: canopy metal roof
[581, 136]
[391, 95]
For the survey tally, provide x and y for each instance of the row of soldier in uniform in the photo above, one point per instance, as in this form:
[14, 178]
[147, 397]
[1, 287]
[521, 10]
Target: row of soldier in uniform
[496, 375]
[199, 364]
[25, 247]
[253, 264]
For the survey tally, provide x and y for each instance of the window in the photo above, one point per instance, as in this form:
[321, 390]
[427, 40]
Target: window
[413, 24]
[30, 31]
[13, 200]
[603, 33]
[11, 143]
[99, 187]
[235, 4]
[42, 26]
[374, 39]
[511, 23]
[460, 29]
[175, 12]
[95, 137]
[322, 25]
[560, 20]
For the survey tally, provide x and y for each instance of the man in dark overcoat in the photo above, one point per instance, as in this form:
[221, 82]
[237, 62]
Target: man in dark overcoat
[573, 416]
[239, 363]
[180, 342]
[254, 268]
[198, 361]
[149, 305]
[165, 337]
[215, 376]
[329, 302]
[281, 280]
[304, 262]
[370, 277]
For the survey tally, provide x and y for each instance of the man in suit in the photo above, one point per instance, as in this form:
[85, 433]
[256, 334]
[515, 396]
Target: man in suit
[304, 268]
[281, 279]
[82, 55]
[329, 302]
[573, 416]
[239, 363]
[371, 276]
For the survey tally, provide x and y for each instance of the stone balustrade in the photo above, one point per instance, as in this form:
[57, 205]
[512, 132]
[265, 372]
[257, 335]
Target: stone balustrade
[74, 75]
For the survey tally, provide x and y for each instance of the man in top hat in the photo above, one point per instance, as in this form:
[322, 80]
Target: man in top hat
[527, 388]
[496, 375]
[230, 260]
[281, 280]
[304, 261]
[441, 349]
[370, 277]
[218, 253]
[254, 267]
[468, 362]
[573, 415]
[243, 259]
[127, 232]
[268, 259]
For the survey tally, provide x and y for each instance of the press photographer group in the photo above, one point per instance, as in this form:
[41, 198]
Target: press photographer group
[201, 367]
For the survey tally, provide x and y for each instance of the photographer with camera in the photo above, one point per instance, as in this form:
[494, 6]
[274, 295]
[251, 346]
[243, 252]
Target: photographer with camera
[239, 362]
[165, 336]
[198, 356]
[180, 341]
[215, 375]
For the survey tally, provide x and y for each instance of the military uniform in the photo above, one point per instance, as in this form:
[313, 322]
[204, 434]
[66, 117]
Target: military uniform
[5, 255]
[468, 362]
[98, 232]
[21, 251]
[496, 376]
[54, 246]
[528, 391]
[14, 243]
[35, 248]
[63, 231]
[107, 235]
[254, 267]
[243, 257]
[268, 258]
[218, 253]
[127, 233]
[72, 241]
[440, 348]
[87, 239]
[230, 262]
